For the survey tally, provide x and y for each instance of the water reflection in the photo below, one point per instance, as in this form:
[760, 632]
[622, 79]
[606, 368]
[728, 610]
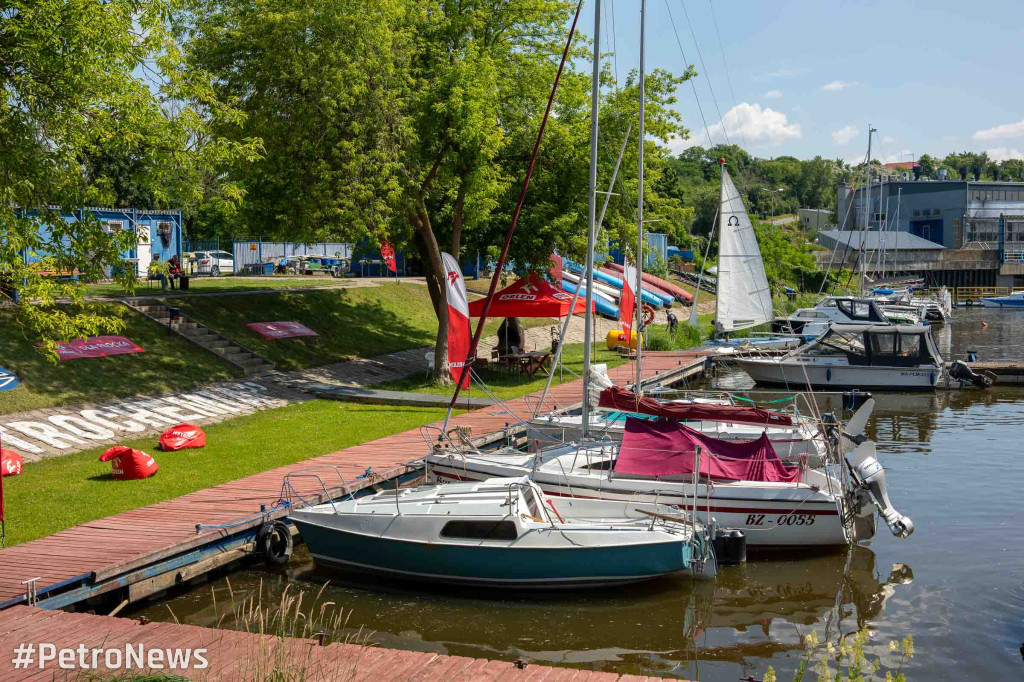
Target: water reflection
[660, 626]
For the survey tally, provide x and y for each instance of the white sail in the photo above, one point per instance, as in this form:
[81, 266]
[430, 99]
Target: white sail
[744, 297]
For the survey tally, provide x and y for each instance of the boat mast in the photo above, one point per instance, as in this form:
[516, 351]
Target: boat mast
[595, 101]
[867, 215]
[638, 388]
[896, 249]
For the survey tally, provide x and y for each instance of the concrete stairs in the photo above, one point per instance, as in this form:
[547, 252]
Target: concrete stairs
[202, 336]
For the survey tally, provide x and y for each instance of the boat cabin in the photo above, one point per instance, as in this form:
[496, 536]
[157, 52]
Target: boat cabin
[875, 345]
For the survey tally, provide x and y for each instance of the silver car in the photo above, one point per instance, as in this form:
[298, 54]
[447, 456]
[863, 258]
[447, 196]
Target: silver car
[213, 263]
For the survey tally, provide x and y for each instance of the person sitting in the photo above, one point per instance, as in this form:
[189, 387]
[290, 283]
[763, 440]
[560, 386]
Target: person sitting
[158, 271]
[174, 269]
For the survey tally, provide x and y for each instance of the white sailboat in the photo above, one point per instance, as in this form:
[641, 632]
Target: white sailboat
[744, 297]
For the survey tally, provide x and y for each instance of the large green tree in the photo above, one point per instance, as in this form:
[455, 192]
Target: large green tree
[83, 81]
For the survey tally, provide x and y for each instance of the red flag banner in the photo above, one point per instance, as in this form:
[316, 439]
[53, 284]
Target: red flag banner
[387, 252]
[459, 337]
[280, 330]
[627, 301]
[555, 272]
[96, 347]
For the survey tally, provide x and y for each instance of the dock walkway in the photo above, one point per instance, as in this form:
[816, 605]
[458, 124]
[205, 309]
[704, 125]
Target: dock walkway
[172, 540]
[233, 655]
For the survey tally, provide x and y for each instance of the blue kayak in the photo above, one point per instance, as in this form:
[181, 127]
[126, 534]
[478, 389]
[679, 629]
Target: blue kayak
[601, 304]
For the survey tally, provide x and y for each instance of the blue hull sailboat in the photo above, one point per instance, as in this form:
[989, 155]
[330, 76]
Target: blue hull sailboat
[505, 532]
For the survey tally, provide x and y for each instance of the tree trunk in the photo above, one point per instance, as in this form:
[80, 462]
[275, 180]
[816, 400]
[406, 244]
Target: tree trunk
[434, 271]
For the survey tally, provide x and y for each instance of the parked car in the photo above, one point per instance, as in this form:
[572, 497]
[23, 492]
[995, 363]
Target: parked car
[214, 263]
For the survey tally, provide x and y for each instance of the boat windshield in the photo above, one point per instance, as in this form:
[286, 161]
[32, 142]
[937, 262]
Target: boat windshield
[837, 343]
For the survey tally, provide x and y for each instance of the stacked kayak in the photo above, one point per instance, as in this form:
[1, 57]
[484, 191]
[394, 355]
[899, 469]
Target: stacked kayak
[667, 287]
[605, 277]
[603, 303]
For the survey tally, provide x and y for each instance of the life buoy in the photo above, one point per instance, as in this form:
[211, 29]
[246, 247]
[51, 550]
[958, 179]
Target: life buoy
[274, 543]
[648, 315]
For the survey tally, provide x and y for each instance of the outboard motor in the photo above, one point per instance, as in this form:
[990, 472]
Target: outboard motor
[871, 490]
[959, 370]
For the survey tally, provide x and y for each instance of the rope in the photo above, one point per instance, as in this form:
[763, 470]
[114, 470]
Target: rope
[700, 56]
[764, 402]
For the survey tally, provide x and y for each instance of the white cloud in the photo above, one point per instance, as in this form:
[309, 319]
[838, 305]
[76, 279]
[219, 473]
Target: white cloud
[783, 73]
[1004, 154]
[773, 94]
[838, 85]
[888, 139]
[757, 125]
[844, 135]
[677, 144]
[905, 156]
[1005, 130]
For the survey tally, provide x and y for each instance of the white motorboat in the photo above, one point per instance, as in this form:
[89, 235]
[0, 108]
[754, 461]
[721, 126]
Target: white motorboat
[813, 322]
[505, 532]
[801, 507]
[1015, 300]
[861, 356]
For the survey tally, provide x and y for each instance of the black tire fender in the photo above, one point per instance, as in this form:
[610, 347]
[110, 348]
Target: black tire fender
[274, 543]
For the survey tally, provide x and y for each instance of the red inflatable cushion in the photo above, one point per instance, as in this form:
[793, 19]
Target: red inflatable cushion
[10, 463]
[128, 463]
[182, 436]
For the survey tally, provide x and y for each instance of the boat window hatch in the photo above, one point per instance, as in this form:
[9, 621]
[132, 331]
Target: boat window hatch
[480, 530]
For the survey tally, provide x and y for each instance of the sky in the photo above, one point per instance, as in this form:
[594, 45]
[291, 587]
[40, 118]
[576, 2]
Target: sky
[806, 78]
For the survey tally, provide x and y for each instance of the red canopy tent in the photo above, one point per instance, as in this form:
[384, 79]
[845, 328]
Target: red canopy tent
[532, 297]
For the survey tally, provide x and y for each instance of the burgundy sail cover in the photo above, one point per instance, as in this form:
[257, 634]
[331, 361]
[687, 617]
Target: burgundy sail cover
[618, 398]
[665, 448]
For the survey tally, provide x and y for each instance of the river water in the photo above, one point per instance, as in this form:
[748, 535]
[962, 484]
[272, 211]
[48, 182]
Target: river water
[953, 462]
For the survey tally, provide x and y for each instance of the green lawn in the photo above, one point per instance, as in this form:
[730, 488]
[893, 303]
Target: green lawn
[506, 386]
[351, 323]
[227, 283]
[170, 363]
[61, 492]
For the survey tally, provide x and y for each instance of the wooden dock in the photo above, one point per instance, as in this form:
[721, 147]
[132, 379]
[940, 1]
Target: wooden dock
[232, 655]
[1005, 371]
[143, 551]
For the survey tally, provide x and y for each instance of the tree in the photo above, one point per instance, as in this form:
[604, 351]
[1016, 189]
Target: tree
[927, 166]
[74, 102]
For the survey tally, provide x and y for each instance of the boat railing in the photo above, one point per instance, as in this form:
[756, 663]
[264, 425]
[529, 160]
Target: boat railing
[330, 493]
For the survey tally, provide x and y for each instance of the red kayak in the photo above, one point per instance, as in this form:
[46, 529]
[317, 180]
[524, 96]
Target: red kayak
[669, 288]
[648, 287]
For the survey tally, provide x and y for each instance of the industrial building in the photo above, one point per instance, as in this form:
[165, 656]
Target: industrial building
[815, 219]
[982, 220]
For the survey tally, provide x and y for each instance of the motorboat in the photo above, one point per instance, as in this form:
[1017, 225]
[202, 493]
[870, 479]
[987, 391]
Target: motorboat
[506, 532]
[1015, 300]
[742, 485]
[861, 356]
[813, 322]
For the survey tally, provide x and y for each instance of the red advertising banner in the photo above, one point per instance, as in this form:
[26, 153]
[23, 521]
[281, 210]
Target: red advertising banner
[96, 347]
[387, 252]
[280, 330]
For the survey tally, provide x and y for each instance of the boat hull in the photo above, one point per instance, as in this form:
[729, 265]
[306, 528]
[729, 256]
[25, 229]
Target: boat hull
[768, 517]
[494, 565]
[860, 377]
[1003, 302]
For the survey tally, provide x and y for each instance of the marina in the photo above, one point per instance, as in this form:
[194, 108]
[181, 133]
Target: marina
[954, 585]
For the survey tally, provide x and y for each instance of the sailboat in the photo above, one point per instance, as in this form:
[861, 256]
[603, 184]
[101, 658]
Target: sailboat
[744, 297]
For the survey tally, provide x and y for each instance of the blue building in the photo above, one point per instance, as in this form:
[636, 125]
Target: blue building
[158, 232]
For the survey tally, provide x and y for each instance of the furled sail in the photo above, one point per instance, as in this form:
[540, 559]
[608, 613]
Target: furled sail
[744, 298]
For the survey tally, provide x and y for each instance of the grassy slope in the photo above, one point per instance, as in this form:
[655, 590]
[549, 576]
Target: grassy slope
[351, 323]
[169, 363]
[240, 447]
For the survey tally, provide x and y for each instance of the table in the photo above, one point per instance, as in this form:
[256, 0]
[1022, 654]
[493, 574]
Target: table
[530, 363]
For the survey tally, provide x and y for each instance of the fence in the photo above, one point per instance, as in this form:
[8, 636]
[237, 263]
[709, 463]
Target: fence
[193, 245]
[248, 252]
